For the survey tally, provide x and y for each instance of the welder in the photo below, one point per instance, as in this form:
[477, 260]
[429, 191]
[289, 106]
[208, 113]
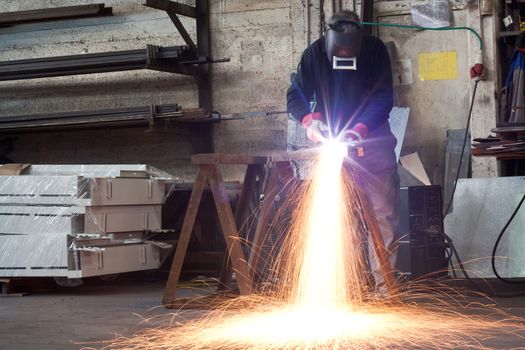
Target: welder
[343, 89]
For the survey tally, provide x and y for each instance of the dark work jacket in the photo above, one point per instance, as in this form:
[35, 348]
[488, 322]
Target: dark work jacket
[345, 97]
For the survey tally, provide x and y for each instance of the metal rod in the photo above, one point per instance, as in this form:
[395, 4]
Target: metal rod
[102, 62]
[51, 14]
[106, 117]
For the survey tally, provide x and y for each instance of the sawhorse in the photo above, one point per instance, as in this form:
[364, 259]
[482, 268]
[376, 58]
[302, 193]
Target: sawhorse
[209, 173]
[280, 171]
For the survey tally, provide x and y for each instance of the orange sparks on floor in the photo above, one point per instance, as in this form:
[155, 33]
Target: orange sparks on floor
[318, 300]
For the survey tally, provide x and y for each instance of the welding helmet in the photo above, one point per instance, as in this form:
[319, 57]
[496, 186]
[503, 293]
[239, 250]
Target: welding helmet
[343, 38]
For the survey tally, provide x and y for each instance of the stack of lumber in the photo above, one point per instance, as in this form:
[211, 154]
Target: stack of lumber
[509, 143]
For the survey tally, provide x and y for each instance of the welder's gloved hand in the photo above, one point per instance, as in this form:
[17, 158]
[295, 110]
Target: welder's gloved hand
[316, 130]
[358, 133]
[354, 137]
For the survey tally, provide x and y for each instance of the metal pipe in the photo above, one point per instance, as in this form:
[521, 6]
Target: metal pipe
[107, 117]
[163, 59]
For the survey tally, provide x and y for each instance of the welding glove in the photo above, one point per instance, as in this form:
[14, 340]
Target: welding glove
[358, 133]
[316, 130]
[354, 137]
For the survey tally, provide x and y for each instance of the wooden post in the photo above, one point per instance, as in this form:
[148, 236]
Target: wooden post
[229, 229]
[241, 214]
[262, 222]
[279, 172]
[182, 244]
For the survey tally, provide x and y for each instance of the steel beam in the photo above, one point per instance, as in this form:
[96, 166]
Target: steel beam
[97, 63]
[143, 115]
[55, 13]
[173, 7]
[203, 50]
[367, 14]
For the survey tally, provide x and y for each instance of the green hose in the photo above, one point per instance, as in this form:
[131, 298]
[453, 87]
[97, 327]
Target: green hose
[376, 24]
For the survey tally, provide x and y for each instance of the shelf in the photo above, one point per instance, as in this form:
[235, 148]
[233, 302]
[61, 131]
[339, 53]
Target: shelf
[180, 59]
[192, 59]
[129, 116]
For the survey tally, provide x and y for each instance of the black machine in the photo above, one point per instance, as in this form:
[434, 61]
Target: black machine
[422, 246]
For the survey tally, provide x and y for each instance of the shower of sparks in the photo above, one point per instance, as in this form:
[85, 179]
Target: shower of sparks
[319, 300]
[325, 260]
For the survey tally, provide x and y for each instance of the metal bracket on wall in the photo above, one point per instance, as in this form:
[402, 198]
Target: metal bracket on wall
[155, 61]
[173, 9]
[201, 70]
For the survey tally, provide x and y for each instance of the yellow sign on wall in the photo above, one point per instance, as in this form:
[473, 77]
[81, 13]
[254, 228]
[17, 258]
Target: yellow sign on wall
[441, 65]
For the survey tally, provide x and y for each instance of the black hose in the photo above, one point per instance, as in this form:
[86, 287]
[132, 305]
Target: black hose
[493, 257]
[460, 263]
[491, 292]
[449, 240]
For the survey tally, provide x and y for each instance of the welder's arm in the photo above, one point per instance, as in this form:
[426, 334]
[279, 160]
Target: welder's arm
[302, 89]
[381, 100]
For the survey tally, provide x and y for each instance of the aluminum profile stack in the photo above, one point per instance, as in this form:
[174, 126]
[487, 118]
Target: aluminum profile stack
[99, 62]
[79, 221]
[143, 115]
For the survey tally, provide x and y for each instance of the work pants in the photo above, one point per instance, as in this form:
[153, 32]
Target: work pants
[376, 174]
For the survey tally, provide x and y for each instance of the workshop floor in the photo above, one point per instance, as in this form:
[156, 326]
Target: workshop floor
[72, 318]
[62, 318]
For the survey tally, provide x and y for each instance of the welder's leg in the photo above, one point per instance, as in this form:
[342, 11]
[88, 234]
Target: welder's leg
[376, 175]
[382, 190]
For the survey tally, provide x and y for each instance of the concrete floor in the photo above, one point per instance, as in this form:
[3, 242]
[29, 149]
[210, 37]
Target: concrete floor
[63, 318]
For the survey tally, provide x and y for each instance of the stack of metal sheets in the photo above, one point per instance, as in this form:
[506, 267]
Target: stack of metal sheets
[80, 220]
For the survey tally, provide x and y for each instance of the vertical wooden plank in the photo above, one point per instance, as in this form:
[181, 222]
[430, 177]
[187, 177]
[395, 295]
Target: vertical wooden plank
[241, 214]
[182, 244]
[264, 217]
[229, 229]
[248, 186]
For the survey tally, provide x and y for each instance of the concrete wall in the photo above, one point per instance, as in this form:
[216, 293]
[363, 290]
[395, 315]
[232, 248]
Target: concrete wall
[263, 39]
[439, 105]
[258, 37]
